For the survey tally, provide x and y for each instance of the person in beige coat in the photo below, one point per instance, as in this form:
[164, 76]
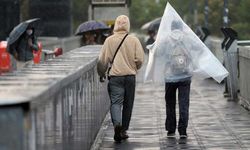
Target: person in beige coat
[121, 86]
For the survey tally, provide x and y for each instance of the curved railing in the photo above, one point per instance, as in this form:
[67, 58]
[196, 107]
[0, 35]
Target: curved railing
[58, 104]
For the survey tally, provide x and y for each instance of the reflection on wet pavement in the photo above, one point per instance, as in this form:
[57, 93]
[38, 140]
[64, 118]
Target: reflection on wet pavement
[214, 123]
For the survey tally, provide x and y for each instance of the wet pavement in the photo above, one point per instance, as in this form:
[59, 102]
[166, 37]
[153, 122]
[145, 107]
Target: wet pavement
[214, 124]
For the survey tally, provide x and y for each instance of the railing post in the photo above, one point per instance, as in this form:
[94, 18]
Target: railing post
[230, 50]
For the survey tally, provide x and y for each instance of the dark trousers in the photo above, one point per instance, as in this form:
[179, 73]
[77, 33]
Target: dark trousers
[170, 98]
[121, 92]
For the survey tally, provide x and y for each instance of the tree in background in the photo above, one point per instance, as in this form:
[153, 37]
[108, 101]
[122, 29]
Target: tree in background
[79, 12]
[147, 10]
[241, 22]
[24, 10]
[142, 11]
[239, 18]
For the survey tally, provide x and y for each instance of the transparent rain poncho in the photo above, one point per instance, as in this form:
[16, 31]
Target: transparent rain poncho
[178, 53]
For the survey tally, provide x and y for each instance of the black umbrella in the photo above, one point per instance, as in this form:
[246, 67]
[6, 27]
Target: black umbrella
[90, 26]
[152, 25]
[20, 29]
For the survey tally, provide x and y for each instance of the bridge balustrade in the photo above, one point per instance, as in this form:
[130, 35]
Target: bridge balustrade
[58, 104]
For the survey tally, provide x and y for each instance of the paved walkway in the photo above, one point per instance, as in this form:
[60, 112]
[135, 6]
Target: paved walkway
[214, 124]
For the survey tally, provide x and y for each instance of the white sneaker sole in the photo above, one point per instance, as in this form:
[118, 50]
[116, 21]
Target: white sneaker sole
[183, 136]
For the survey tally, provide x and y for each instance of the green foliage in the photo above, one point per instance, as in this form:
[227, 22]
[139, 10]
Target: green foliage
[142, 11]
[243, 30]
[79, 12]
[215, 17]
[24, 10]
[239, 18]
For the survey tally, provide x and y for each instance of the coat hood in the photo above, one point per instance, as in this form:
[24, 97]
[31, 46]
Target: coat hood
[122, 23]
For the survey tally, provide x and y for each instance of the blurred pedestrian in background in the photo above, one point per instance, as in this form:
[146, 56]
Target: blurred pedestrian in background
[151, 38]
[89, 38]
[22, 41]
[23, 49]
[92, 32]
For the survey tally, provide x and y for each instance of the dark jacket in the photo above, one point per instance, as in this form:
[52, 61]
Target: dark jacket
[23, 50]
[150, 41]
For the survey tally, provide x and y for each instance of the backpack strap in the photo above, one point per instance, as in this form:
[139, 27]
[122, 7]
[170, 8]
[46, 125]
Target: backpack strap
[111, 63]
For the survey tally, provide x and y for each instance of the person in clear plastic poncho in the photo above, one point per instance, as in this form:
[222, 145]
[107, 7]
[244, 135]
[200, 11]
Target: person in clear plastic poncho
[177, 74]
[176, 56]
[178, 63]
[204, 63]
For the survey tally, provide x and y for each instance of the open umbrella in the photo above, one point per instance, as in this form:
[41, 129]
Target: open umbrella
[20, 29]
[152, 25]
[90, 26]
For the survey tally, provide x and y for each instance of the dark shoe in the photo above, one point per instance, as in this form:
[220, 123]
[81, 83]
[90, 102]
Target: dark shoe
[226, 94]
[171, 134]
[183, 136]
[124, 135]
[117, 136]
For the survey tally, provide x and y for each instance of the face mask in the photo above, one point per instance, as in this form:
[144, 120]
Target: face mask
[29, 32]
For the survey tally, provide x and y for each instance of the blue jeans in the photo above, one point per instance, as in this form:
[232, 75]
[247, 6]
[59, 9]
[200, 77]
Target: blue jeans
[170, 98]
[121, 91]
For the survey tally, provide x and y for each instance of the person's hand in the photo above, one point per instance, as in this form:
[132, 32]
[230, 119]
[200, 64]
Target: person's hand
[102, 79]
[15, 55]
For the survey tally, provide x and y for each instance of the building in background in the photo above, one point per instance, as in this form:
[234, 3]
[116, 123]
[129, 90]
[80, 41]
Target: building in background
[55, 14]
[9, 16]
[108, 10]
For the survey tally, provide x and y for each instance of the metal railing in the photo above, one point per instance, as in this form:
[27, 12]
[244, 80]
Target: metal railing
[229, 48]
[59, 104]
[244, 72]
[243, 43]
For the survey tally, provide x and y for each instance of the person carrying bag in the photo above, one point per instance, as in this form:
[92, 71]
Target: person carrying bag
[121, 56]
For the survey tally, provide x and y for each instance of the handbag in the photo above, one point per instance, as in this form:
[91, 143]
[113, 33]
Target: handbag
[111, 63]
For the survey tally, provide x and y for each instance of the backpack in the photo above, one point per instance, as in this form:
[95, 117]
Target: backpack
[179, 62]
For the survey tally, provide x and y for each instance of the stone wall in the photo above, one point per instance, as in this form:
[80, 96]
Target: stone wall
[244, 76]
[243, 70]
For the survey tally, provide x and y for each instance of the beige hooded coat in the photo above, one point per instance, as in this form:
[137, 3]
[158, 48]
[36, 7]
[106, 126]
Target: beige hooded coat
[130, 55]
